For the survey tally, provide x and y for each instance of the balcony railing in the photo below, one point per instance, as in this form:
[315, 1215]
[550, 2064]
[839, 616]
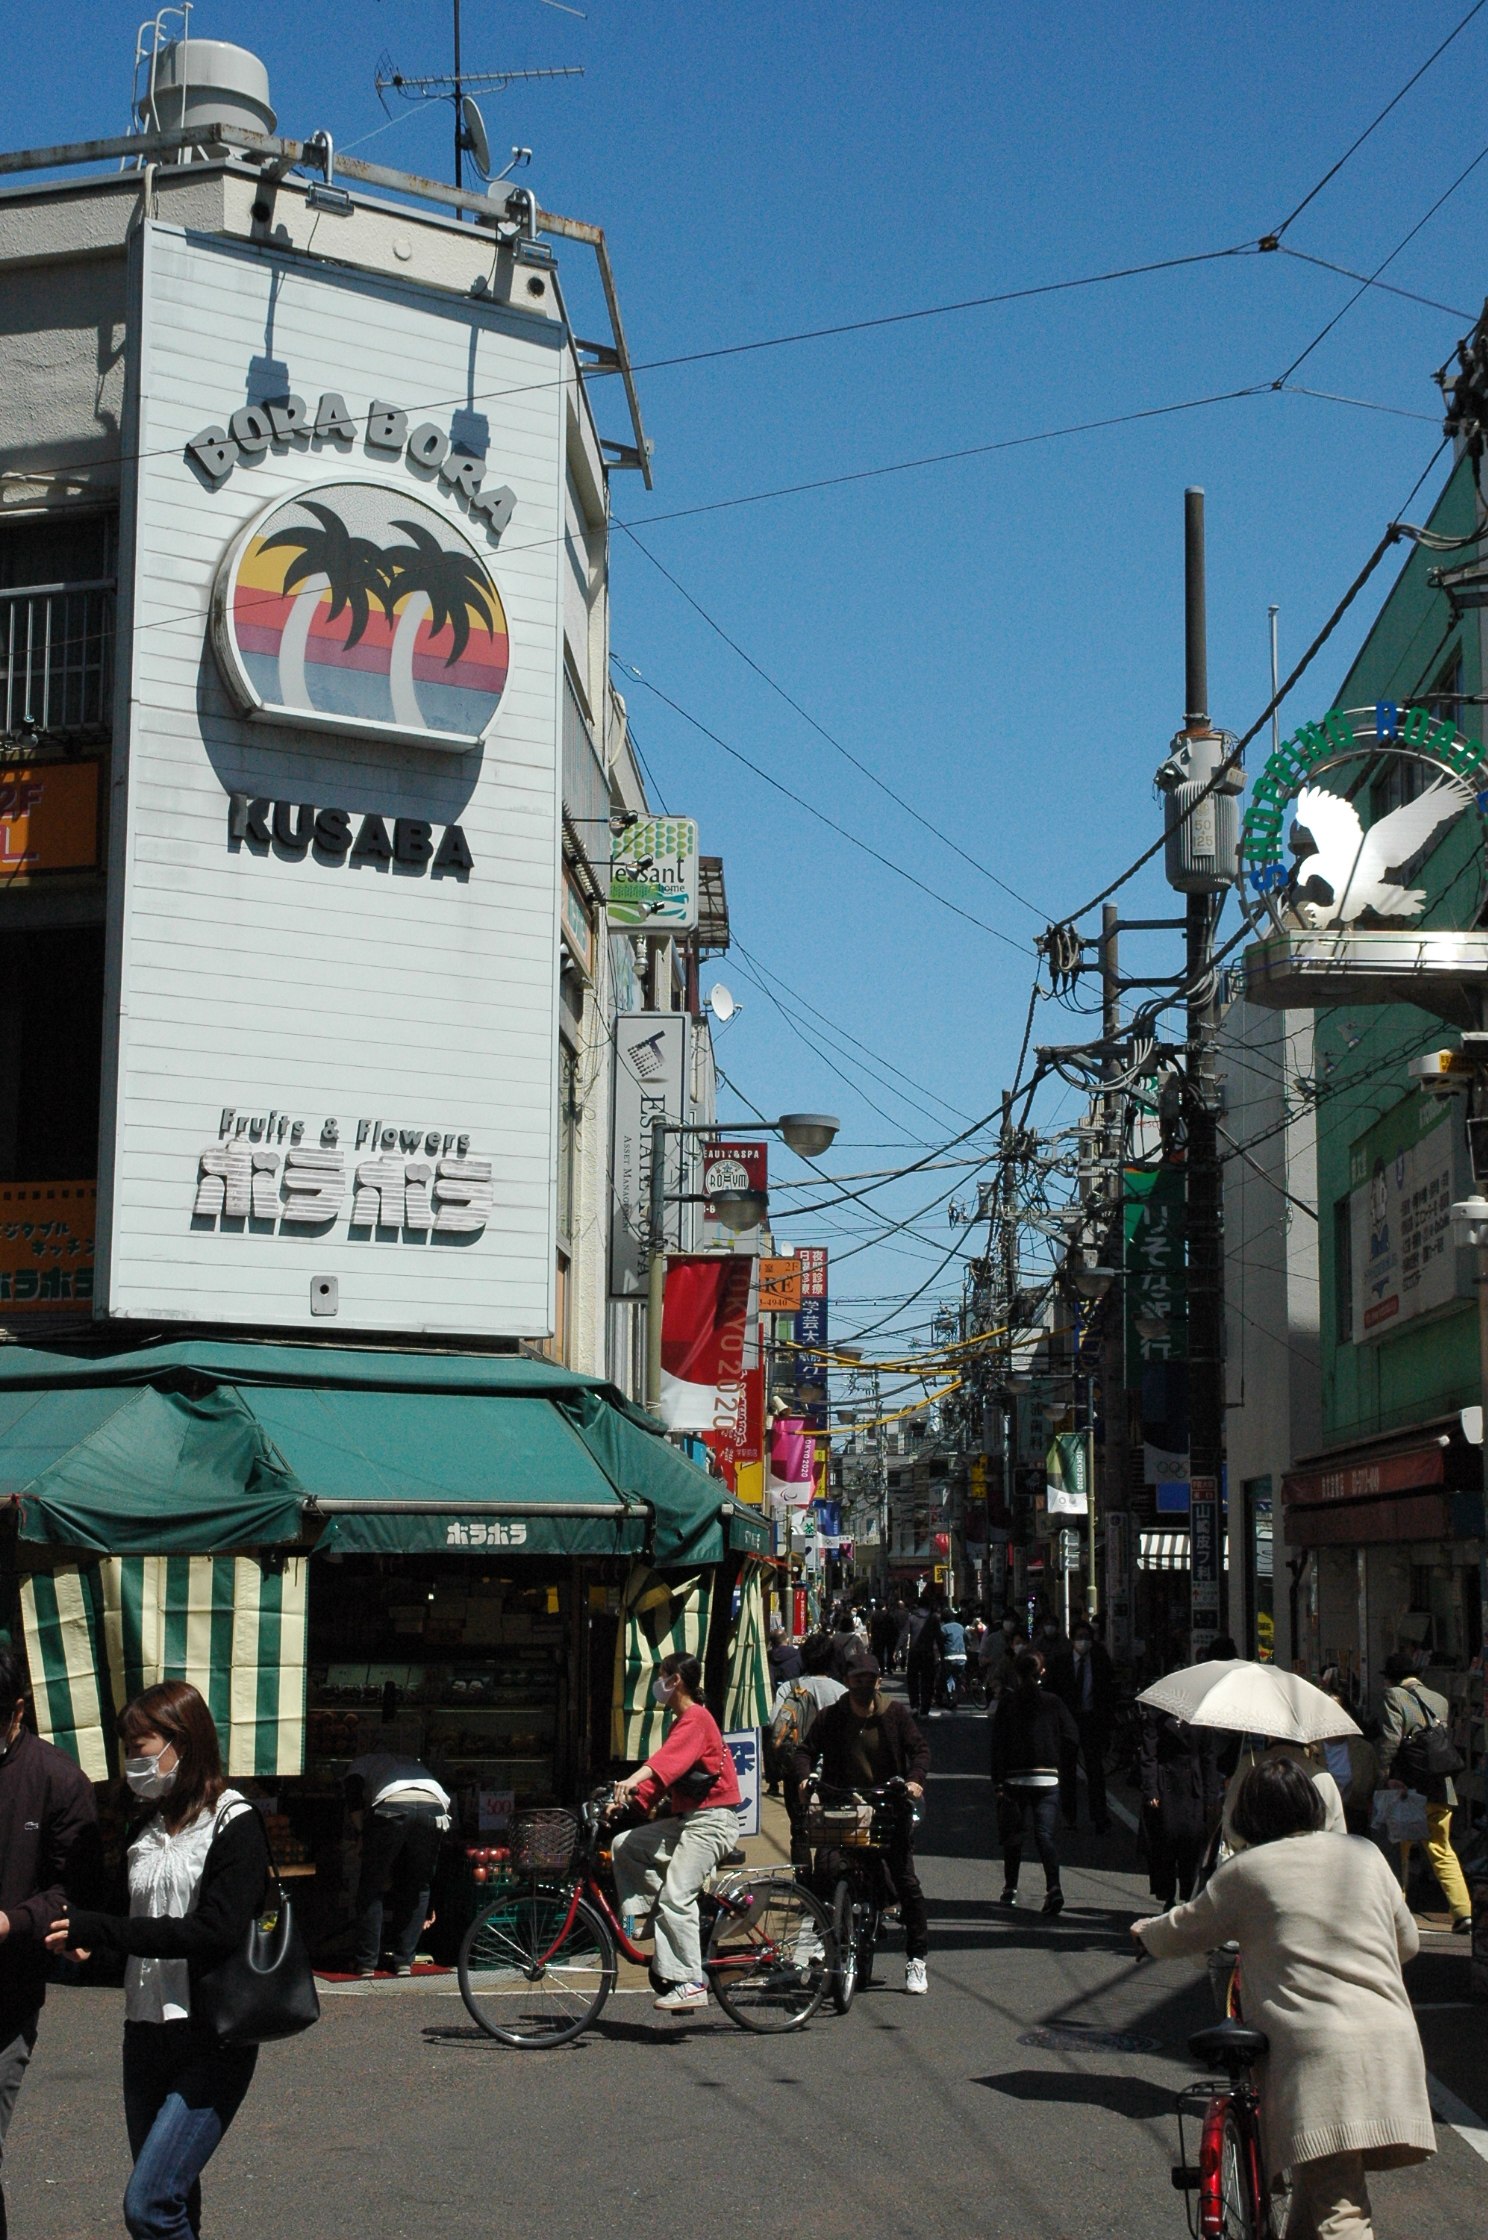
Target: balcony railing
[57, 645]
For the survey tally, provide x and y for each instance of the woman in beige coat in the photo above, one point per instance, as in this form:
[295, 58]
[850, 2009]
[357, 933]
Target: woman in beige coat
[1322, 1930]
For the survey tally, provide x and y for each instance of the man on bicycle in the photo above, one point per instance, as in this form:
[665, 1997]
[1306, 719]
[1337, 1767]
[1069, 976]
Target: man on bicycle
[670, 1859]
[863, 1742]
[952, 1656]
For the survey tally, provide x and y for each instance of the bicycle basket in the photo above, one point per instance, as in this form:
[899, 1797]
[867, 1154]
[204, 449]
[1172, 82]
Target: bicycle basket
[544, 1842]
[840, 1823]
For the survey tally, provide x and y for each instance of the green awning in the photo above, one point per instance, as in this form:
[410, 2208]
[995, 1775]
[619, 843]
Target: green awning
[406, 1472]
[196, 1445]
[124, 1472]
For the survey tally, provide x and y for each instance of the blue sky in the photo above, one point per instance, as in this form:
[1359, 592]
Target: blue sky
[999, 638]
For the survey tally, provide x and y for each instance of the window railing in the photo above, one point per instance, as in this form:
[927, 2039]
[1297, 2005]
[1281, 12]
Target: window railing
[57, 645]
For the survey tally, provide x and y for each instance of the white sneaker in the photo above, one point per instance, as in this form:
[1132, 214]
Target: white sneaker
[683, 1998]
[915, 1978]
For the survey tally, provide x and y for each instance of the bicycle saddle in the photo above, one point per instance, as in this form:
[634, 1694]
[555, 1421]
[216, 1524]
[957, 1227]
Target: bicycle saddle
[1229, 2045]
[734, 1858]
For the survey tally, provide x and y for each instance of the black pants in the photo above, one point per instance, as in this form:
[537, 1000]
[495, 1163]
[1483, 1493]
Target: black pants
[905, 1877]
[1093, 1750]
[17, 2039]
[1015, 1808]
[1172, 1859]
[921, 1674]
[400, 1844]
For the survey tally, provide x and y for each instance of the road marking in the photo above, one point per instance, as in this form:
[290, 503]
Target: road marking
[1465, 2121]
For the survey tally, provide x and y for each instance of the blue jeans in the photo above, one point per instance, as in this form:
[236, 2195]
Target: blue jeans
[1015, 1807]
[180, 2094]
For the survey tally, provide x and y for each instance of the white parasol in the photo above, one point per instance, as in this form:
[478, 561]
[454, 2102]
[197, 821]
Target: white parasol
[1250, 1699]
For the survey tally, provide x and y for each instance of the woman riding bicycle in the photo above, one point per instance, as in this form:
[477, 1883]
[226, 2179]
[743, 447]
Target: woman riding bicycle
[670, 1859]
[1323, 1930]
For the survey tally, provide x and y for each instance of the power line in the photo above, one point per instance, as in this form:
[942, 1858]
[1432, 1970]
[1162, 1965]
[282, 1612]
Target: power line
[1393, 103]
[822, 732]
[628, 669]
[1385, 287]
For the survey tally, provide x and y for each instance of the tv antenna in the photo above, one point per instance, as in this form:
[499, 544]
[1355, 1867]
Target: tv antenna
[459, 88]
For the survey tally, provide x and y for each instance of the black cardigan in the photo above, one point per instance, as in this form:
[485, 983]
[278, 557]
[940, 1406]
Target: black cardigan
[234, 1879]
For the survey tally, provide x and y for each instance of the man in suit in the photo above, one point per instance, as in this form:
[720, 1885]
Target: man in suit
[1084, 1678]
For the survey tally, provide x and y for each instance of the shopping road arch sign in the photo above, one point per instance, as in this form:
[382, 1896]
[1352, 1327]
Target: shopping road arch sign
[1346, 872]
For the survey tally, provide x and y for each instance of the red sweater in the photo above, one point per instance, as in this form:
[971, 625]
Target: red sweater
[694, 1740]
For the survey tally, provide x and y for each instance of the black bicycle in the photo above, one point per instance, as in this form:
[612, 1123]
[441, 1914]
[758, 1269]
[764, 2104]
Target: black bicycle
[854, 1829]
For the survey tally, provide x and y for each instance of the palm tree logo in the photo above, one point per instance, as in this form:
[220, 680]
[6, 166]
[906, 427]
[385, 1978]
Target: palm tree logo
[424, 580]
[330, 558]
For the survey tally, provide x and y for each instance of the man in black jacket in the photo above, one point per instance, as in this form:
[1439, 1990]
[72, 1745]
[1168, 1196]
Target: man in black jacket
[49, 1854]
[1084, 1679]
[863, 1741]
[1032, 1734]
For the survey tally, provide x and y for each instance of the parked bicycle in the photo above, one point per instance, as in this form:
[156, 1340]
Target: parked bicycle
[539, 1961]
[854, 1829]
[1226, 2187]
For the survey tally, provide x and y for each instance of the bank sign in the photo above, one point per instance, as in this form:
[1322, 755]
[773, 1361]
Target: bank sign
[330, 1086]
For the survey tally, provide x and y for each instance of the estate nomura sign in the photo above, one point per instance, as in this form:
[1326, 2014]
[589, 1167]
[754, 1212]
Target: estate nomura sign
[356, 607]
[1354, 842]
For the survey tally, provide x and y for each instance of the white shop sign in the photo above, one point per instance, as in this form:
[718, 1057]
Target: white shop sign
[338, 909]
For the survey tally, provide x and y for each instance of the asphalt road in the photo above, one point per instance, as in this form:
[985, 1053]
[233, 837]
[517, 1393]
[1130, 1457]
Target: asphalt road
[927, 2118]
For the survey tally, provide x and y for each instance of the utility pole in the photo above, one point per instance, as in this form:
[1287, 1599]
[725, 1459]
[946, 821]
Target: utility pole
[1206, 828]
[1113, 1339]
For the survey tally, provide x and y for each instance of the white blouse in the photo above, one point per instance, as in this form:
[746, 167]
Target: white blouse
[165, 1874]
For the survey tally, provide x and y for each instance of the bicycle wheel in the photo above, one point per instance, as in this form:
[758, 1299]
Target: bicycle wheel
[1229, 2208]
[530, 1975]
[771, 1962]
[845, 1931]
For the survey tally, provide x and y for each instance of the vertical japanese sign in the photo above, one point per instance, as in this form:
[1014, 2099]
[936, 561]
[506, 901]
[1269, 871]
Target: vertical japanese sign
[650, 1084]
[810, 1329]
[1406, 1171]
[1205, 1562]
[1157, 1316]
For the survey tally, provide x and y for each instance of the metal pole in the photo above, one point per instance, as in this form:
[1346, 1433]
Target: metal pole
[459, 120]
[656, 1264]
[1205, 1271]
[1113, 1331]
[1271, 614]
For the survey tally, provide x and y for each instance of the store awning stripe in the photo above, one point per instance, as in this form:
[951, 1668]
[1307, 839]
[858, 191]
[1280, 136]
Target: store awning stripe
[98, 1633]
[1163, 1551]
[747, 1694]
[62, 1622]
[659, 1618]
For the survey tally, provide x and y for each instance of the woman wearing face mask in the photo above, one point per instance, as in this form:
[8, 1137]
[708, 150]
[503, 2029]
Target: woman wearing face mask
[198, 1871]
[670, 1860]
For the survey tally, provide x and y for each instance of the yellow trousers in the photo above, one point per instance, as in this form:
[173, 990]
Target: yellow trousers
[1443, 1859]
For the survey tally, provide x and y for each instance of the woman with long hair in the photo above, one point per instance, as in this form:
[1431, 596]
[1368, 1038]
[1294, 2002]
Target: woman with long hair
[198, 1873]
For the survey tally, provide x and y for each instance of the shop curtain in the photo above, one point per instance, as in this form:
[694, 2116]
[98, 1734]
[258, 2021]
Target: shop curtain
[97, 1633]
[746, 1701]
[658, 1618]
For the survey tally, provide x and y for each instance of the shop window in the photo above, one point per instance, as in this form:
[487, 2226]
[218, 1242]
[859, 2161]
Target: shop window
[57, 577]
[1343, 1272]
[51, 1033]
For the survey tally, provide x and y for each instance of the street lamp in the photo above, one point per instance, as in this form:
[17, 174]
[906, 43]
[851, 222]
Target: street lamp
[807, 1133]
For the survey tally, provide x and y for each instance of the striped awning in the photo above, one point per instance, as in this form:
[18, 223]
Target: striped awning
[1163, 1551]
[747, 1694]
[234, 1626]
[659, 1618]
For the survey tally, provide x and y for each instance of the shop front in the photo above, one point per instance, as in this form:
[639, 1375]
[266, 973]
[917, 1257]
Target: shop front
[475, 1561]
[1384, 1544]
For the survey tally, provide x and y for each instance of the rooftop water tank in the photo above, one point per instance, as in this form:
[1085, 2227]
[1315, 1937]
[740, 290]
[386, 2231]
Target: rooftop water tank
[204, 82]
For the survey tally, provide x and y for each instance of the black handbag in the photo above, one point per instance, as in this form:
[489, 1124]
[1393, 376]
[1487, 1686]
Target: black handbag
[1428, 1752]
[265, 1989]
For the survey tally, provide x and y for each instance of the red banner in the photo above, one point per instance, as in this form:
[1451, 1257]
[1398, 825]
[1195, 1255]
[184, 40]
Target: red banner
[704, 1332]
[744, 1440]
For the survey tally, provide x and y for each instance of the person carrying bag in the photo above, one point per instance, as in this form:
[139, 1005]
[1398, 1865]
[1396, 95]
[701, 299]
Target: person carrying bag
[1416, 1752]
[215, 1966]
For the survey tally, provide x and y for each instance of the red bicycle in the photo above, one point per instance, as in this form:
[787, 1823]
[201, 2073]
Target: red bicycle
[1226, 2187]
[539, 1961]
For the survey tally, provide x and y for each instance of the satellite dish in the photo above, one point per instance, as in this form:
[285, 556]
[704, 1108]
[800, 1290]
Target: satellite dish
[721, 1003]
[473, 131]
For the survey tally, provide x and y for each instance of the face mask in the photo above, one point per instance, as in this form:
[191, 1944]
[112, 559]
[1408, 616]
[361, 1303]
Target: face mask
[146, 1779]
[661, 1691]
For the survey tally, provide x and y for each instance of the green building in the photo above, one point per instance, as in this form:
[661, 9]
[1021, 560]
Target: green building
[1384, 1522]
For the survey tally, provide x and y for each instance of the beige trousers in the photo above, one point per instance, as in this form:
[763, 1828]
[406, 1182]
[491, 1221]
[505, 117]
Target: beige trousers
[1330, 2200]
[1444, 1861]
